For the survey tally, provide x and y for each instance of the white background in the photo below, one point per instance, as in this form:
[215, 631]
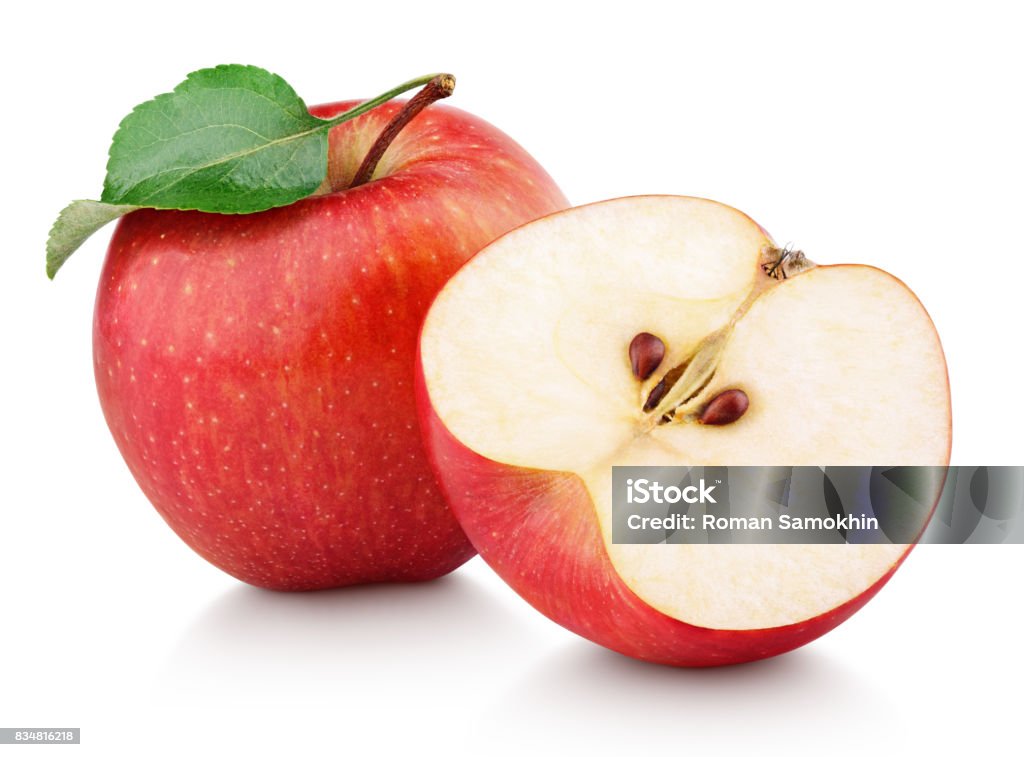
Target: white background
[887, 134]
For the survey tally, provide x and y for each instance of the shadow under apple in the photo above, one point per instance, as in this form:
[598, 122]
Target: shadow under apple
[806, 699]
[360, 645]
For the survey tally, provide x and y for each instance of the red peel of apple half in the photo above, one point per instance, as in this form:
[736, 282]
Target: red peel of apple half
[528, 398]
[256, 371]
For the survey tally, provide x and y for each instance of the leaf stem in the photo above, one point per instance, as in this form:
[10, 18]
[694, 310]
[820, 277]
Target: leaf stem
[437, 88]
[381, 99]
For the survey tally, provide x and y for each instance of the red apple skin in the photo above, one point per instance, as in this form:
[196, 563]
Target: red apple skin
[538, 530]
[257, 371]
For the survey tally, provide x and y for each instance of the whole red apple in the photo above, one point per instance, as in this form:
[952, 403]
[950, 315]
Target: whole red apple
[256, 371]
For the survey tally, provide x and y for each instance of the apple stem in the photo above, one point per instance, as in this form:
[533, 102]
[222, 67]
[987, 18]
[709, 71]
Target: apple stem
[438, 88]
[784, 262]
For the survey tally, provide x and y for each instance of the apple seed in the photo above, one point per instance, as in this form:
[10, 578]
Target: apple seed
[656, 395]
[646, 352]
[725, 408]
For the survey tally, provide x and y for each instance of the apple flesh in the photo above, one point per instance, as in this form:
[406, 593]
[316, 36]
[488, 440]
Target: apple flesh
[529, 394]
[256, 371]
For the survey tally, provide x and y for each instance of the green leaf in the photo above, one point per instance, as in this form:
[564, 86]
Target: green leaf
[230, 139]
[74, 225]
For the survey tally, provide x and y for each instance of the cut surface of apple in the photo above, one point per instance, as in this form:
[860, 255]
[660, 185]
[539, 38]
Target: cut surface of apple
[526, 374]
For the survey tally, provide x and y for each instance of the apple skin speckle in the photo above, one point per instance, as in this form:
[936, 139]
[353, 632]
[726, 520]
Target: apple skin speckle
[266, 453]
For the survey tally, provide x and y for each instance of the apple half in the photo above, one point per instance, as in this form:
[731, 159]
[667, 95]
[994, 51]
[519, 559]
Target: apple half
[532, 384]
